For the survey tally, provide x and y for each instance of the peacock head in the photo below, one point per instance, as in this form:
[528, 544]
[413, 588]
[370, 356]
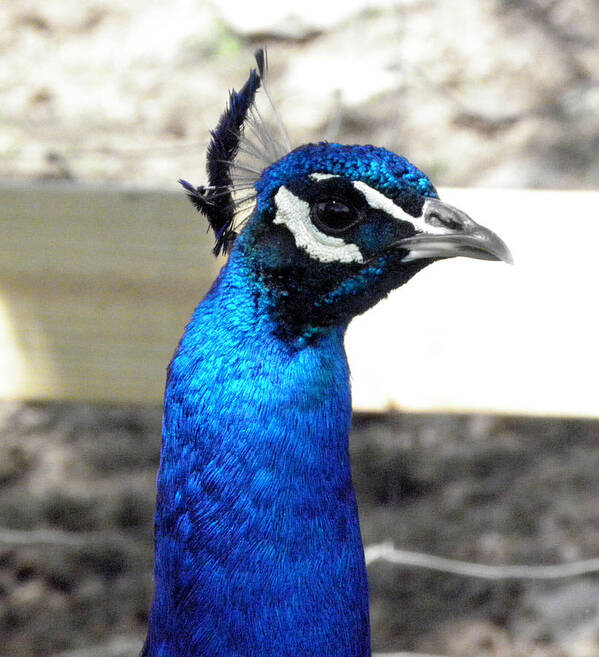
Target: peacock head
[329, 229]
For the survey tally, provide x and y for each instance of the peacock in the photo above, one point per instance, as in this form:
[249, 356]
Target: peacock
[257, 542]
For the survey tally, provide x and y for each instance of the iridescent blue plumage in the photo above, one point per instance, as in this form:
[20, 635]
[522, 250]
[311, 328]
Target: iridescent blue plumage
[377, 166]
[258, 550]
[257, 541]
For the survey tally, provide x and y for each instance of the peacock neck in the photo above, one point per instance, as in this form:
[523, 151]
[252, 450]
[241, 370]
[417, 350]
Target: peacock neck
[258, 549]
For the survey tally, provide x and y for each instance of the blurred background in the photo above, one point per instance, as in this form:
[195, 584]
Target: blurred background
[480, 444]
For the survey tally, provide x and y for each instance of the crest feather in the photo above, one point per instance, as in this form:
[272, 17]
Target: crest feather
[235, 160]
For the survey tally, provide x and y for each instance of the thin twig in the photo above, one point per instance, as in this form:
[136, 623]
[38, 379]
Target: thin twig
[402, 654]
[378, 552]
[41, 537]
[54, 538]
[117, 647]
[126, 646]
[386, 552]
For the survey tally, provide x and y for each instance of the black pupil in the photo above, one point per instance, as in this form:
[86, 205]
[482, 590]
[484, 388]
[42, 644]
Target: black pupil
[333, 215]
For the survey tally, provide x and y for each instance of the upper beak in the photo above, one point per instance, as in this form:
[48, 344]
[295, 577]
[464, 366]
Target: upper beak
[449, 232]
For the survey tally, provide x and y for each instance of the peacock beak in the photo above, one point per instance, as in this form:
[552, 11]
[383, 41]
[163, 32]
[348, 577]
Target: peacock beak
[448, 232]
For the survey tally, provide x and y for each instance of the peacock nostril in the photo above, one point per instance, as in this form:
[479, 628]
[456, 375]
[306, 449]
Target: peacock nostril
[439, 220]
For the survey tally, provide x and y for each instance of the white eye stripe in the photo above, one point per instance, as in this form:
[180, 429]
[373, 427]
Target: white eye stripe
[294, 213]
[323, 176]
[379, 201]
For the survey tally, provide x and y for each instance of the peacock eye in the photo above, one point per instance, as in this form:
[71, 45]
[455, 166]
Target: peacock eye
[333, 216]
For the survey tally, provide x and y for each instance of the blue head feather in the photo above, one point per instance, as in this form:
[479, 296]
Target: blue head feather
[376, 166]
[308, 297]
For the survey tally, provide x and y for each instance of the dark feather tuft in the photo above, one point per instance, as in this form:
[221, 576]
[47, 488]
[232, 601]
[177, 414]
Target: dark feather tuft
[261, 61]
[199, 196]
[216, 199]
[235, 160]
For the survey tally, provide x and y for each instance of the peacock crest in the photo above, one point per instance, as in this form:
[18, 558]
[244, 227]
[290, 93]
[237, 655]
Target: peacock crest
[241, 147]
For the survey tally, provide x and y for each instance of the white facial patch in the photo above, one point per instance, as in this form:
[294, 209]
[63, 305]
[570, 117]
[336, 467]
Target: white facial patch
[294, 213]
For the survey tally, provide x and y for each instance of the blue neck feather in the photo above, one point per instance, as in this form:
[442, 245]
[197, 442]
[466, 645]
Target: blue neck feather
[258, 549]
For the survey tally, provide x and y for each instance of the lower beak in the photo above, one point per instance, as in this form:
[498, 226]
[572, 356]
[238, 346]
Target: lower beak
[449, 232]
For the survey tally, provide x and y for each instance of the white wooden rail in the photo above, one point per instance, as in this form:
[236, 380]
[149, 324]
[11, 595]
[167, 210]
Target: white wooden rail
[96, 285]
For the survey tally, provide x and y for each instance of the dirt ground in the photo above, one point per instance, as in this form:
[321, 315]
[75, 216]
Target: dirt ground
[77, 497]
